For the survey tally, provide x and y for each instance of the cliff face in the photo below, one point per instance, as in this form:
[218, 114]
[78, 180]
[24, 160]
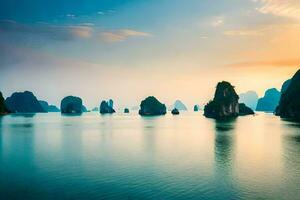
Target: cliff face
[225, 102]
[3, 109]
[285, 85]
[289, 105]
[23, 102]
[71, 105]
[151, 107]
[269, 102]
[106, 107]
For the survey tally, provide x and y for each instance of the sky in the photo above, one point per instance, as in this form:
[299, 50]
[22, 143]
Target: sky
[129, 49]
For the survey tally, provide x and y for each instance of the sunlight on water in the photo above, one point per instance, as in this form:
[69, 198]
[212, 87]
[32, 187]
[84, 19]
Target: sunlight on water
[46, 156]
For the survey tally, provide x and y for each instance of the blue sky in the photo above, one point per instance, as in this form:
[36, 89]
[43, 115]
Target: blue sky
[127, 50]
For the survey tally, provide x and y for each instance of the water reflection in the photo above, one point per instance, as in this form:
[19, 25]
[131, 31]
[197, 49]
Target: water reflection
[183, 157]
[291, 146]
[224, 157]
[18, 142]
[71, 114]
[72, 137]
[224, 141]
[150, 125]
[26, 115]
[1, 137]
[291, 123]
[225, 125]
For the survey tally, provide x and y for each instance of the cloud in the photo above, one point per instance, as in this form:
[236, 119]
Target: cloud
[87, 24]
[217, 21]
[283, 8]
[47, 30]
[267, 63]
[81, 31]
[122, 35]
[69, 32]
[244, 33]
[71, 16]
[106, 12]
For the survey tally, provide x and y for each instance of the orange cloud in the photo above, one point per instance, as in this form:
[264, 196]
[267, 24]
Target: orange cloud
[284, 8]
[243, 33]
[267, 63]
[122, 35]
[82, 31]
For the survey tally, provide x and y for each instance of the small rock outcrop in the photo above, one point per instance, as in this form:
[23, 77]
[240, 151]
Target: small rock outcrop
[48, 108]
[105, 107]
[249, 98]
[152, 107]
[3, 109]
[71, 105]
[269, 102]
[245, 110]
[23, 102]
[289, 105]
[196, 108]
[225, 103]
[175, 111]
[126, 110]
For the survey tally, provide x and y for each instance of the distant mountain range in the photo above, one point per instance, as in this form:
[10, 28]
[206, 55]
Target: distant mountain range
[26, 102]
[249, 98]
[178, 105]
[269, 101]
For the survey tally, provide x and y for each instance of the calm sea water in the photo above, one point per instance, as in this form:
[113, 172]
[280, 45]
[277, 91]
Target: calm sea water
[49, 156]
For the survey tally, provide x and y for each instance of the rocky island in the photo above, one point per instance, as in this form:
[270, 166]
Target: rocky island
[285, 85]
[175, 111]
[225, 103]
[269, 102]
[126, 110]
[289, 104]
[179, 106]
[196, 108]
[84, 109]
[3, 109]
[48, 108]
[152, 107]
[23, 102]
[106, 107]
[71, 105]
[245, 110]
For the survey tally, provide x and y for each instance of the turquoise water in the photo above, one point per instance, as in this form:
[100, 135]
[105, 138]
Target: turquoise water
[49, 156]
